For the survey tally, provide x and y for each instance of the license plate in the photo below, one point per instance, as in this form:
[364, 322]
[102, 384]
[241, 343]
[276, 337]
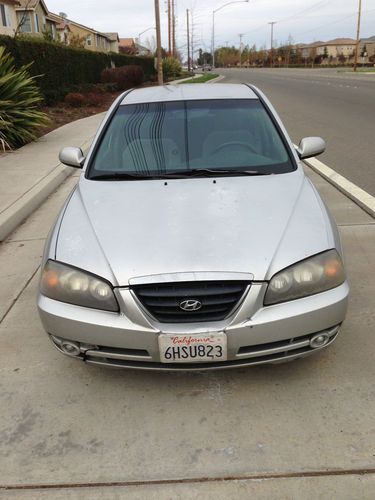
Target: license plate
[197, 348]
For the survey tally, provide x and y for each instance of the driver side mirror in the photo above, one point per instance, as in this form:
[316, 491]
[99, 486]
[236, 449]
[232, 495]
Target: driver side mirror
[311, 146]
[72, 157]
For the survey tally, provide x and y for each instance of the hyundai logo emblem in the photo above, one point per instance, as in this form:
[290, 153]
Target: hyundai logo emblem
[190, 305]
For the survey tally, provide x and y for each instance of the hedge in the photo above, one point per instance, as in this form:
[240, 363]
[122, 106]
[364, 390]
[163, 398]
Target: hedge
[61, 68]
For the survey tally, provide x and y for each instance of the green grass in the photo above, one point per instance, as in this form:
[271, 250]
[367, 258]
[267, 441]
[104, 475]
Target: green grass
[202, 79]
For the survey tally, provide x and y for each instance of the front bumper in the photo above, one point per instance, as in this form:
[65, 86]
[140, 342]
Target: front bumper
[255, 334]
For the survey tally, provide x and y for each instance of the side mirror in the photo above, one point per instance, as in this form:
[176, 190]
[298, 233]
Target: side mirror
[73, 157]
[311, 146]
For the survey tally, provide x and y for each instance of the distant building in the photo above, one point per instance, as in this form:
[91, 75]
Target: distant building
[367, 45]
[332, 50]
[131, 47]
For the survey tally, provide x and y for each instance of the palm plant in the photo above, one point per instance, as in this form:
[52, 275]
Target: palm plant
[20, 99]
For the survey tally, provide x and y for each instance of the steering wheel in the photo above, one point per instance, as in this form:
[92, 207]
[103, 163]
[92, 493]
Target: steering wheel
[235, 143]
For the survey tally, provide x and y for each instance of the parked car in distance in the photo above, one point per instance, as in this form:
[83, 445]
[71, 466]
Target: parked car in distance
[193, 240]
[206, 67]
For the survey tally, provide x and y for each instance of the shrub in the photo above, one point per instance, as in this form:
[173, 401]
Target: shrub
[124, 77]
[93, 99]
[75, 99]
[171, 67]
[20, 98]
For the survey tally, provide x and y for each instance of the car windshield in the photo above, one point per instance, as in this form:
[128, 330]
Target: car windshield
[152, 140]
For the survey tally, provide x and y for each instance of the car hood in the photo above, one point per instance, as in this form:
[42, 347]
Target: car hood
[123, 230]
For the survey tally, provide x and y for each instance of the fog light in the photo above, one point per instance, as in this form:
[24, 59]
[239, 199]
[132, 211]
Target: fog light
[70, 348]
[319, 340]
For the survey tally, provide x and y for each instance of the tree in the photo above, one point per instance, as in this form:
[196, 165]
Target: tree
[22, 20]
[204, 58]
[76, 41]
[325, 53]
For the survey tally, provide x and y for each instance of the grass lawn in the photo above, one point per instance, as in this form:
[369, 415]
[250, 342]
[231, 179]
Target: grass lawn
[202, 79]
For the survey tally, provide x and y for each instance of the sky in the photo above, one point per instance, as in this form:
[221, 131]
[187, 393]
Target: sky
[304, 20]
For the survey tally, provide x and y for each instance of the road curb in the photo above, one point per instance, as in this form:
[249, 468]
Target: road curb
[16, 213]
[217, 79]
[365, 200]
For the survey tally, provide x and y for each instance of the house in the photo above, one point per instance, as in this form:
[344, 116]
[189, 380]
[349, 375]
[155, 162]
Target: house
[339, 47]
[76, 34]
[367, 45]
[132, 47]
[309, 50]
[127, 46]
[114, 41]
[33, 18]
[8, 17]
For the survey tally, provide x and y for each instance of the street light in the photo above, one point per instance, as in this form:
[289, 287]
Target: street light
[213, 26]
[145, 31]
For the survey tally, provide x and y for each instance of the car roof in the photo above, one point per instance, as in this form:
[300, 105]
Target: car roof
[189, 92]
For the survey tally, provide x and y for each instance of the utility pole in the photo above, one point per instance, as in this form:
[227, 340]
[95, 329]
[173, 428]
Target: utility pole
[192, 40]
[241, 35]
[188, 38]
[169, 29]
[158, 43]
[173, 29]
[358, 34]
[272, 24]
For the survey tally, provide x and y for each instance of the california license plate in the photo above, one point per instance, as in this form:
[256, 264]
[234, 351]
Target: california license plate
[196, 348]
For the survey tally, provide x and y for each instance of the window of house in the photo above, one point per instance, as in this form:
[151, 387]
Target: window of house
[36, 23]
[4, 17]
[88, 39]
[24, 19]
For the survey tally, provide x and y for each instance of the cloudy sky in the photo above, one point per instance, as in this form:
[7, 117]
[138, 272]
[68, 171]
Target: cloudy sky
[304, 20]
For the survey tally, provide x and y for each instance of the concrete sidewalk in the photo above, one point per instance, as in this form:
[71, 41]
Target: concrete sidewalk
[30, 174]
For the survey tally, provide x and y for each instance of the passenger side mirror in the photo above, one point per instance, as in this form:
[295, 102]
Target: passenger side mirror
[311, 146]
[73, 157]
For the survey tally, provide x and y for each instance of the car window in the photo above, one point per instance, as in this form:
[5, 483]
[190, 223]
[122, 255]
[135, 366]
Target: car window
[155, 138]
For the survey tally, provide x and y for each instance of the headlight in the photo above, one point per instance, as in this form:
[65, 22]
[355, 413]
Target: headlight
[314, 275]
[68, 284]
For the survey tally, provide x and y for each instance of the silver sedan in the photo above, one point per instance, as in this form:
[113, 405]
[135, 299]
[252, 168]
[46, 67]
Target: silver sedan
[193, 239]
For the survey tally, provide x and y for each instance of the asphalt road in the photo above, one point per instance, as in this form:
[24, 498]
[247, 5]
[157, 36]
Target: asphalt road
[340, 107]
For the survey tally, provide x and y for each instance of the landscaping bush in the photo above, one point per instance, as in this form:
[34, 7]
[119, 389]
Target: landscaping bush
[20, 98]
[75, 99]
[124, 77]
[171, 68]
[64, 67]
[93, 99]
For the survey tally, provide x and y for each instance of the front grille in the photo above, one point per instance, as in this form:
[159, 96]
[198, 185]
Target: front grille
[217, 299]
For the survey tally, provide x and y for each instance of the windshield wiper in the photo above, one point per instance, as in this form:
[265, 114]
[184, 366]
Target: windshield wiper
[178, 174]
[117, 176]
[211, 172]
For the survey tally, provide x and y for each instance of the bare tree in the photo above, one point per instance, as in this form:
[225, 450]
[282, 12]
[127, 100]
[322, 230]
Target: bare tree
[21, 22]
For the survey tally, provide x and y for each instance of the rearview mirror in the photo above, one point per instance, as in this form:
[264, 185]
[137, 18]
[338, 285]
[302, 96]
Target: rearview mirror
[311, 146]
[73, 157]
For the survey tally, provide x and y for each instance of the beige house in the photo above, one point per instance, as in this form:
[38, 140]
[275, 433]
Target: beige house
[33, 18]
[73, 33]
[8, 17]
[114, 41]
[333, 49]
[367, 46]
[337, 47]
